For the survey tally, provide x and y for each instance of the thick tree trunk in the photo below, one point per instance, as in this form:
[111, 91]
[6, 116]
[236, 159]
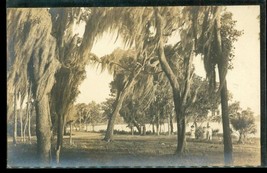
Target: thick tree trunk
[43, 131]
[111, 121]
[15, 119]
[227, 140]
[181, 137]
[118, 103]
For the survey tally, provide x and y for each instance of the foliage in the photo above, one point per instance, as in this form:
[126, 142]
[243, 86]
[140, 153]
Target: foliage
[243, 121]
[199, 132]
[89, 113]
[204, 103]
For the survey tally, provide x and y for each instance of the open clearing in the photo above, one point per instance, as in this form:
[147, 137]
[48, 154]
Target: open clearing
[89, 150]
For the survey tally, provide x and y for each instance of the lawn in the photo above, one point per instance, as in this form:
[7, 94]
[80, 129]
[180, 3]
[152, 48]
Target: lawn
[89, 150]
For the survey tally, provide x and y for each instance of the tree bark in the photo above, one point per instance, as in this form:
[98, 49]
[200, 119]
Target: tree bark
[181, 137]
[118, 103]
[43, 131]
[15, 119]
[227, 140]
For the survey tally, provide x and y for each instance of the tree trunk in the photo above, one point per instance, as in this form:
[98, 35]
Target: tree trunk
[86, 129]
[196, 126]
[171, 123]
[138, 127]
[15, 119]
[29, 112]
[227, 141]
[132, 129]
[43, 131]
[240, 137]
[118, 103]
[80, 122]
[29, 123]
[20, 118]
[70, 133]
[153, 128]
[174, 84]
[195, 123]
[157, 125]
[144, 130]
[181, 137]
[60, 134]
[25, 126]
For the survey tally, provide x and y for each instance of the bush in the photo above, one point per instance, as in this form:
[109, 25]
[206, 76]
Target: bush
[199, 132]
[188, 133]
[215, 132]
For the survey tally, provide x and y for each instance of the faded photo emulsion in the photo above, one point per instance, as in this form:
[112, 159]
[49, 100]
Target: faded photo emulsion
[162, 86]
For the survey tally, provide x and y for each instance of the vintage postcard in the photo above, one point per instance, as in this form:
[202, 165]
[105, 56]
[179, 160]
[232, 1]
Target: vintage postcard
[134, 86]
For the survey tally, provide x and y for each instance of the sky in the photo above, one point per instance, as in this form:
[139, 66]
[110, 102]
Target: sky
[243, 81]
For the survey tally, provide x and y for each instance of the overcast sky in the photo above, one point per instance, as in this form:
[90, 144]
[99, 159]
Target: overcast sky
[243, 80]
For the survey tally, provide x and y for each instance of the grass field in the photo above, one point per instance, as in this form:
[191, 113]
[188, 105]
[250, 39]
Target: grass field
[89, 150]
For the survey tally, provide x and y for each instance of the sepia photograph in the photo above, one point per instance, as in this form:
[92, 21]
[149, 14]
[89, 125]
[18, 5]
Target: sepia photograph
[146, 86]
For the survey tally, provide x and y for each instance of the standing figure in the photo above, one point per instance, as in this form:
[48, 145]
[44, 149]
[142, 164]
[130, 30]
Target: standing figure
[209, 133]
[192, 132]
[204, 133]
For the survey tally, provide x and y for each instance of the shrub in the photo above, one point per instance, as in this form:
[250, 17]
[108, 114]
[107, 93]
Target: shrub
[215, 132]
[199, 132]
